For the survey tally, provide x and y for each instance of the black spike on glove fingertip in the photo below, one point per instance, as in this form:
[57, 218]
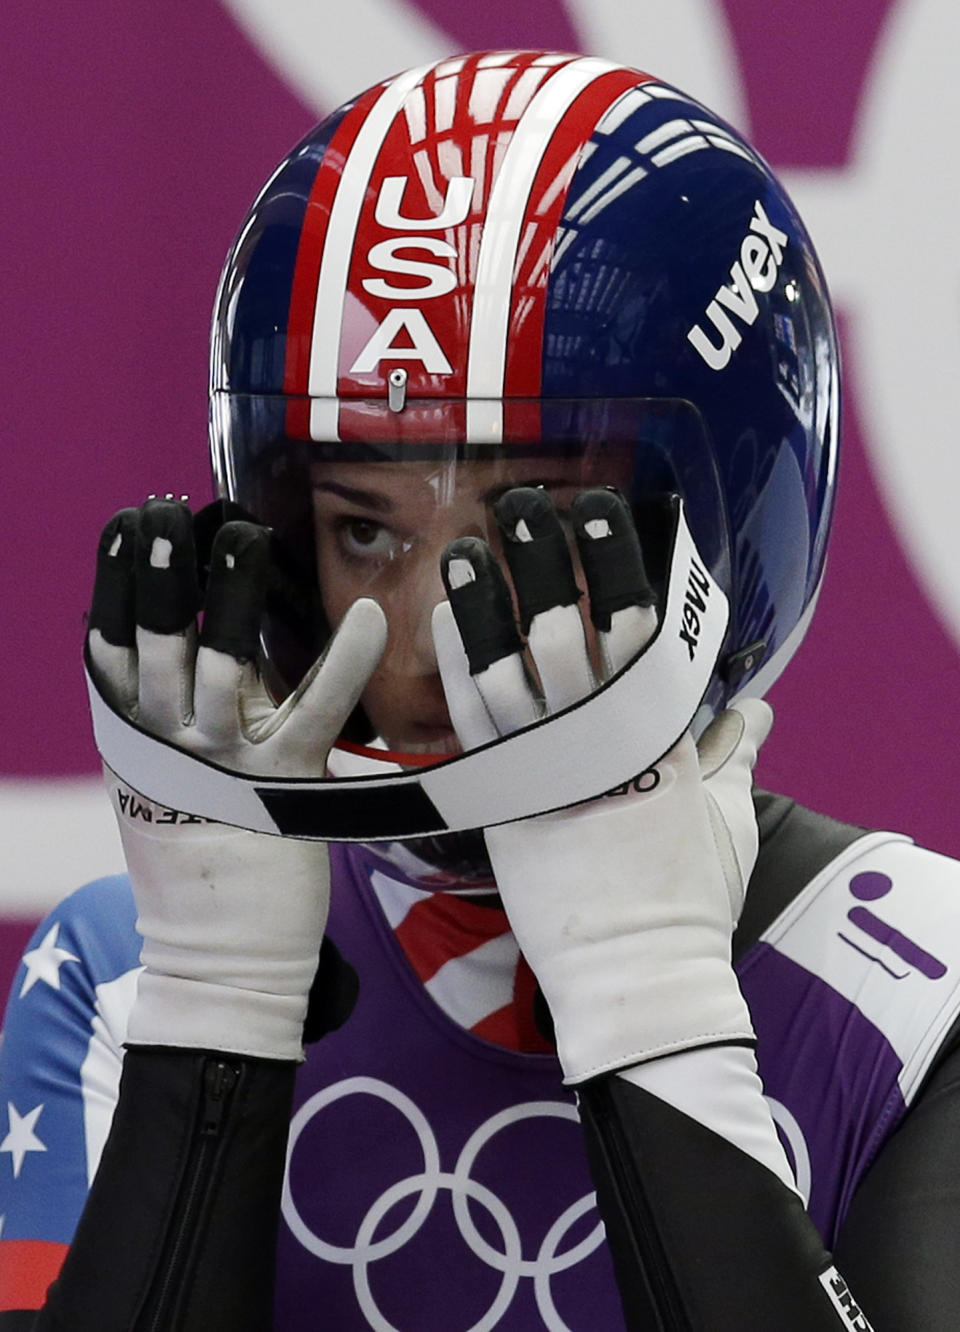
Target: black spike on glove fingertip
[537, 553]
[481, 602]
[610, 553]
[236, 590]
[113, 606]
[168, 592]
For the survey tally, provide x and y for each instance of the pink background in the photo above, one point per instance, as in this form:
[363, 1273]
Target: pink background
[136, 133]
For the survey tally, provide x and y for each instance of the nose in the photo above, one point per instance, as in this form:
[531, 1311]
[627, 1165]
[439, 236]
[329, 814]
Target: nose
[413, 651]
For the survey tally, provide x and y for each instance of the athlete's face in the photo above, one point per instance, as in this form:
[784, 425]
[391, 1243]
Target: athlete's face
[380, 531]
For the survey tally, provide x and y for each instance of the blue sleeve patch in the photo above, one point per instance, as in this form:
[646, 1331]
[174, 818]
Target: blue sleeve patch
[86, 942]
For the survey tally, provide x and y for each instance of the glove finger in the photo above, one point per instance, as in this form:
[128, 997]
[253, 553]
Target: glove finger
[735, 737]
[728, 752]
[113, 608]
[758, 718]
[537, 554]
[481, 602]
[228, 695]
[207, 522]
[236, 590]
[167, 601]
[538, 557]
[482, 606]
[468, 712]
[112, 619]
[309, 721]
[168, 594]
[622, 602]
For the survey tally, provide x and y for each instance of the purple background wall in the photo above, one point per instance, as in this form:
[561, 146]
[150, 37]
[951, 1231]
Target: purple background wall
[136, 135]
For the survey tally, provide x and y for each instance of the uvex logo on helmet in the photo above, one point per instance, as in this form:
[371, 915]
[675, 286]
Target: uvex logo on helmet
[756, 269]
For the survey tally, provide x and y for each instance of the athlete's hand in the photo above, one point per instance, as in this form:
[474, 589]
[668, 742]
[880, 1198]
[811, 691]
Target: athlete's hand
[231, 920]
[624, 906]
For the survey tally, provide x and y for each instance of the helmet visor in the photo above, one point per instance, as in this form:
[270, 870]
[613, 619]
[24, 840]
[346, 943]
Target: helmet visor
[363, 500]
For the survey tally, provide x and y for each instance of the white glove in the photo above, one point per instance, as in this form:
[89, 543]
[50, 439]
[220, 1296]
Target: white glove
[231, 920]
[625, 906]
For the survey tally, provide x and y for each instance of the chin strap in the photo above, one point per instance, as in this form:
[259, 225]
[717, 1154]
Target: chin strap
[599, 743]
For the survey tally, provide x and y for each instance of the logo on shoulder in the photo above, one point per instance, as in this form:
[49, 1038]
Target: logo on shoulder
[694, 607]
[735, 304]
[898, 955]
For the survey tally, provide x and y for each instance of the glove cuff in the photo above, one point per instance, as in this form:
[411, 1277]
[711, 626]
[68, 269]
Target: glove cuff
[684, 1007]
[198, 1015]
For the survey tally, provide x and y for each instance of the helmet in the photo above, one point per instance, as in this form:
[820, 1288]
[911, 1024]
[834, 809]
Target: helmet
[522, 267]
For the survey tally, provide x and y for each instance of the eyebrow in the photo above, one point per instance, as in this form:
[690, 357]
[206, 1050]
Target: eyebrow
[368, 499]
[372, 499]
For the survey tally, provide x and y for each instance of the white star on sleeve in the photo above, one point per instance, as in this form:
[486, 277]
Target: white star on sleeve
[44, 963]
[21, 1138]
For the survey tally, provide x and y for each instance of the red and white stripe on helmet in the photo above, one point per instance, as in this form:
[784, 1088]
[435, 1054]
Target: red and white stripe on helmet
[430, 229]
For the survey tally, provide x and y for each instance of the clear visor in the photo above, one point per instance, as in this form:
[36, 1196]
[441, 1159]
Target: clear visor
[363, 500]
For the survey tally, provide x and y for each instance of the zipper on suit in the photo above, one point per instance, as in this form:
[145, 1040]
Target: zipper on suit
[599, 1111]
[220, 1079]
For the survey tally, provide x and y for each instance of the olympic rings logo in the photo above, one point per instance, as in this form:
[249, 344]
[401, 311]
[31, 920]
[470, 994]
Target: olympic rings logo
[508, 1260]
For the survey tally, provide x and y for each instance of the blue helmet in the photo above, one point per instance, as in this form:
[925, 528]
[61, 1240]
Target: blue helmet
[516, 258]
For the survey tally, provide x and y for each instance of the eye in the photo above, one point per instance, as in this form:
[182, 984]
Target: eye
[363, 538]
